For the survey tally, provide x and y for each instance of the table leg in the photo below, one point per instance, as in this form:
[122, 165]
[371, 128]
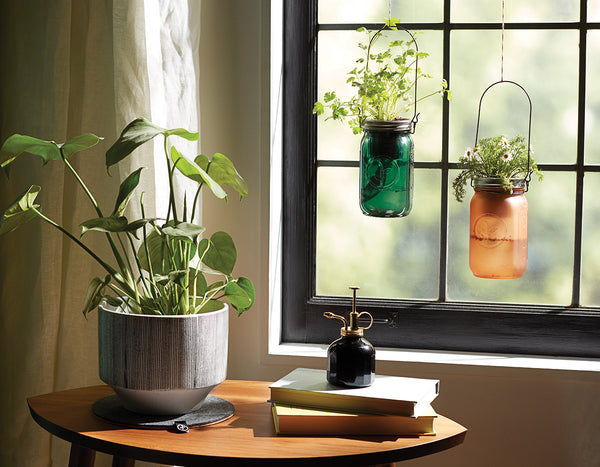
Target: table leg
[122, 462]
[81, 457]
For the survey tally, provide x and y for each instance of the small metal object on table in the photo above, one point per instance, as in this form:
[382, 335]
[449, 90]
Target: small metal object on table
[246, 438]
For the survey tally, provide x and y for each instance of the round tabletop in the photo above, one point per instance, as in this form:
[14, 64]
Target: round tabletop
[248, 437]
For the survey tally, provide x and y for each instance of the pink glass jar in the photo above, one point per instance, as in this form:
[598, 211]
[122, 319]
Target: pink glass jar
[498, 229]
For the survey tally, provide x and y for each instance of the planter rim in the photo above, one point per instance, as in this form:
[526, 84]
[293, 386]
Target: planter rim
[118, 310]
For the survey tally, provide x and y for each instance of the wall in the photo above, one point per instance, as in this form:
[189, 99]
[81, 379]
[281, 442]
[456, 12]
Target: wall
[515, 416]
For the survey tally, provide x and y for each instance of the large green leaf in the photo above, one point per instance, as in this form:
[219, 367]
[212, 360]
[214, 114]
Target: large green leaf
[158, 252]
[79, 143]
[105, 224]
[47, 150]
[20, 211]
[222, 170]
[219, 252]
[137, 133]
[193, 171]
[210, 305]
[125, 192]
[137, 224]
[18, 144]
[198, 285]
[182, 133]
[183, 230]
[94, 294]
[240, 294]
[179, 277]
[134, 135]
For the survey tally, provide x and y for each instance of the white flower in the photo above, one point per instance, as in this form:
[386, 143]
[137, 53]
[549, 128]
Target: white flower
[469, 153]
[504, 142]
[507, 156]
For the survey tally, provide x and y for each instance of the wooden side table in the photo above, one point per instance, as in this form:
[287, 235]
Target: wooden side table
[247, 438]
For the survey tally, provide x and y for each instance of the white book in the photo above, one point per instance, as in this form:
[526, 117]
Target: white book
[387, 395]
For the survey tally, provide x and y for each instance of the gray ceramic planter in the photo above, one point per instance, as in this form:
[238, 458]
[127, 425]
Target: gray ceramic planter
[162, 365]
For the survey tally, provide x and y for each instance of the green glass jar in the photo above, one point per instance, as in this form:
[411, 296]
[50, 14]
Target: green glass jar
[386, 168]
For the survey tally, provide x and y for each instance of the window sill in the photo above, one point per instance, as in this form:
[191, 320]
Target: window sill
[449, 358]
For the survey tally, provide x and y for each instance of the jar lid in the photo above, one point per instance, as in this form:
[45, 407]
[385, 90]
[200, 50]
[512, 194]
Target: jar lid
[403, 124]
[495, 183]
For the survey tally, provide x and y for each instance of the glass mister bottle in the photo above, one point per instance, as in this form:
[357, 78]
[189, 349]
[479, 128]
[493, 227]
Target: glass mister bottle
[351, 358]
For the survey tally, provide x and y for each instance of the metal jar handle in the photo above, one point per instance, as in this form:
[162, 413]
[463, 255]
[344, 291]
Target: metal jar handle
[415, 117]
[529, 171]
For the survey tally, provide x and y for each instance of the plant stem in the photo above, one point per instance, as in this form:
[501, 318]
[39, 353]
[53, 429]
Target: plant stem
[193, 215]
[115, 251]
[216, 290]
[147, 252]
[171, 185]
[106, 266]
[132, 246]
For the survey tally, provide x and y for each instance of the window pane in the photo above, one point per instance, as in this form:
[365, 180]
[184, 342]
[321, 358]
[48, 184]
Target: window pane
[593, 10]
[548, 74]
[590, 292]
[548, 278]
[373, 11]
[517, 11]
[337, 56]
[592, 114]
[391, 258]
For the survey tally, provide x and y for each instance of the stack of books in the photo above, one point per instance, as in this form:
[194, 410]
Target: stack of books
[304, 403]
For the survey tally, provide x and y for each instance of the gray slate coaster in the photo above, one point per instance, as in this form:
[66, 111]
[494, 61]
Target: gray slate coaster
[213, 410]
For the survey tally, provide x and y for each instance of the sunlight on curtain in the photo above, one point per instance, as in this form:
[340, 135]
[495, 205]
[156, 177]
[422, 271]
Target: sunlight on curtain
[71, 67]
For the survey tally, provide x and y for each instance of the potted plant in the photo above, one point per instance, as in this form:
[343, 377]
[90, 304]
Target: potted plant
[162, 322]
[386, 90]
[499, 170]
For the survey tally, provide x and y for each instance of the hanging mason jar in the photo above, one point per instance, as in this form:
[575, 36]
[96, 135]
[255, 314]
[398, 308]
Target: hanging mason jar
[386, 168]
[498, 229]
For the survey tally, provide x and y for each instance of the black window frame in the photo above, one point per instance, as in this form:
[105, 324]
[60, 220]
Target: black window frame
[441, 325]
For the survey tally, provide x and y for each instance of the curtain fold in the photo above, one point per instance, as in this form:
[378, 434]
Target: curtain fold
[71, 67]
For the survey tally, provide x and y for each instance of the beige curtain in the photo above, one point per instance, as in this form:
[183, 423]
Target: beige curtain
[67, 68]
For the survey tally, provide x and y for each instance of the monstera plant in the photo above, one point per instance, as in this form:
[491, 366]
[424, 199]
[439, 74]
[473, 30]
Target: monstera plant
[160, 266]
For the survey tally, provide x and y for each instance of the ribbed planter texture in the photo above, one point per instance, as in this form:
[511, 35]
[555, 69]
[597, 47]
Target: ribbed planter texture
[162, 365]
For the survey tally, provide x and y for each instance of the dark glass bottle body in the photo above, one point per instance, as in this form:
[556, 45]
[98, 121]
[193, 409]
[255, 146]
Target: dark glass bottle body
[386, 168]
[351, 362]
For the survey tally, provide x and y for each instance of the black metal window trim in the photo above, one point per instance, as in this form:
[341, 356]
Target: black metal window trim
[443, 325]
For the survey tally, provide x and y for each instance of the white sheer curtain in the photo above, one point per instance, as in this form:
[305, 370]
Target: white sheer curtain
[71, 67]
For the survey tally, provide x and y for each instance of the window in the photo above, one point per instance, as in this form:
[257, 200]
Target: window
[413, 271]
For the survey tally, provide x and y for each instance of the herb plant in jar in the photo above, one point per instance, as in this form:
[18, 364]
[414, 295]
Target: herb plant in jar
[386, 90]
[499, 170]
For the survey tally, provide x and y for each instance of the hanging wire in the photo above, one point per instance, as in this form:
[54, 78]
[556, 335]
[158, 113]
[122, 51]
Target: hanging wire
[529, 171]
[415, 117]
[502, 46]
